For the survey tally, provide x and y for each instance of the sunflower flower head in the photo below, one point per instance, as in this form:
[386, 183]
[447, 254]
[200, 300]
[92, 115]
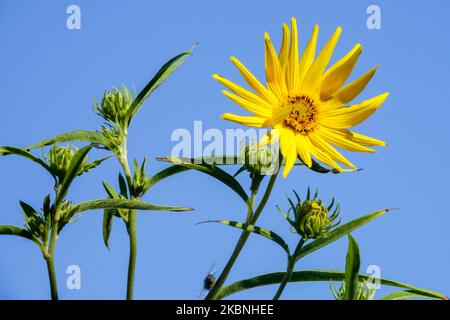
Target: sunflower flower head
[305, 103]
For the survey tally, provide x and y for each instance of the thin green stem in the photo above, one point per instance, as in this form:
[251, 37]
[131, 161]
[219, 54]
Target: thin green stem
[292, 260]
[132, 217]
[52, 276]
[213, 294]
[49, 252]
[132, 220]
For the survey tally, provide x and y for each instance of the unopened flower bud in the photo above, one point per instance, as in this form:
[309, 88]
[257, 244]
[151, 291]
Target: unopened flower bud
[114, 105]
[141, 180]
[312, 219]
[59, 160]
[258, 160]
[364, 292]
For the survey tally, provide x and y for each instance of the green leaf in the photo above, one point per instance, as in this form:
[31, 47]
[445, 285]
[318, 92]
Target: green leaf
[266, 233]
[170, 171]
[28, 210]
[352, 265]
[313, 275]
[339, 232]
[123, 186]
[211, 170]
[16, 231]
[74, 168]
[123, 204]
[93, 165]
[165, 71]
[407, 294]
[74, 136]
[5, 150]
[108, 217]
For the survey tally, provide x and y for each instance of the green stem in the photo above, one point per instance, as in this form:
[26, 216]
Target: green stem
[292, 260]
[49, 259]
[132, 217]
[132, 220]
[213, 294]
[49, 252]
[52, 276]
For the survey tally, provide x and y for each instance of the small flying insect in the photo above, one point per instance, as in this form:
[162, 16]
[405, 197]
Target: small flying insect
[208, 281]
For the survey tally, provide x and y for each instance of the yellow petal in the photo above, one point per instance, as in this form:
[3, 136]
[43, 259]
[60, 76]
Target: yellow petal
[324, 158]
[244, 93]
[292, 76]
[284, 50]
[309, 54]
[254, 83]
[251, 121]
[304, 149]
[354, 88]
[291, 158]
[250, 106]
[287, 148]
[359, 138]
[274, 74]
[314, 75]
[347, 117]
[269, 138]
[329, 150]
[335, 77]
[334, 138]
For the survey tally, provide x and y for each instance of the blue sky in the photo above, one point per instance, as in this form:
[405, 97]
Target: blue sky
[50, 76]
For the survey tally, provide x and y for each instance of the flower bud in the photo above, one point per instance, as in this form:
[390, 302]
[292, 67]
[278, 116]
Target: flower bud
[114, 105]
[312, 219]
[59, 160]
[258, 160]
[364, 292]
[141, 180]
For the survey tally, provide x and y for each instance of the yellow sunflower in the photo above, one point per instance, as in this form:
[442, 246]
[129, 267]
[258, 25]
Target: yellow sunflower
[305, 104]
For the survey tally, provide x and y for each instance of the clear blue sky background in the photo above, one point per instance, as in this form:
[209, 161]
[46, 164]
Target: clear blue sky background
[50, 75]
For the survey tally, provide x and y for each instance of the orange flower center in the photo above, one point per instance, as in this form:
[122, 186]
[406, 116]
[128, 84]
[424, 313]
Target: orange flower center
[303, 116]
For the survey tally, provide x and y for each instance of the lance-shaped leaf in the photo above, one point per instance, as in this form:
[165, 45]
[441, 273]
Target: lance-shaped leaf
[74, 136]
[114, 195]
[209, 169]
[123, 204]
[314, 275]
[93, 164]
[162, 74]
[339, 232]
[352, 265]
[408, 294]
[6, 150]
[16, 231]
[108, 217]
[123, 186]
[266, 233]
[75, 165]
